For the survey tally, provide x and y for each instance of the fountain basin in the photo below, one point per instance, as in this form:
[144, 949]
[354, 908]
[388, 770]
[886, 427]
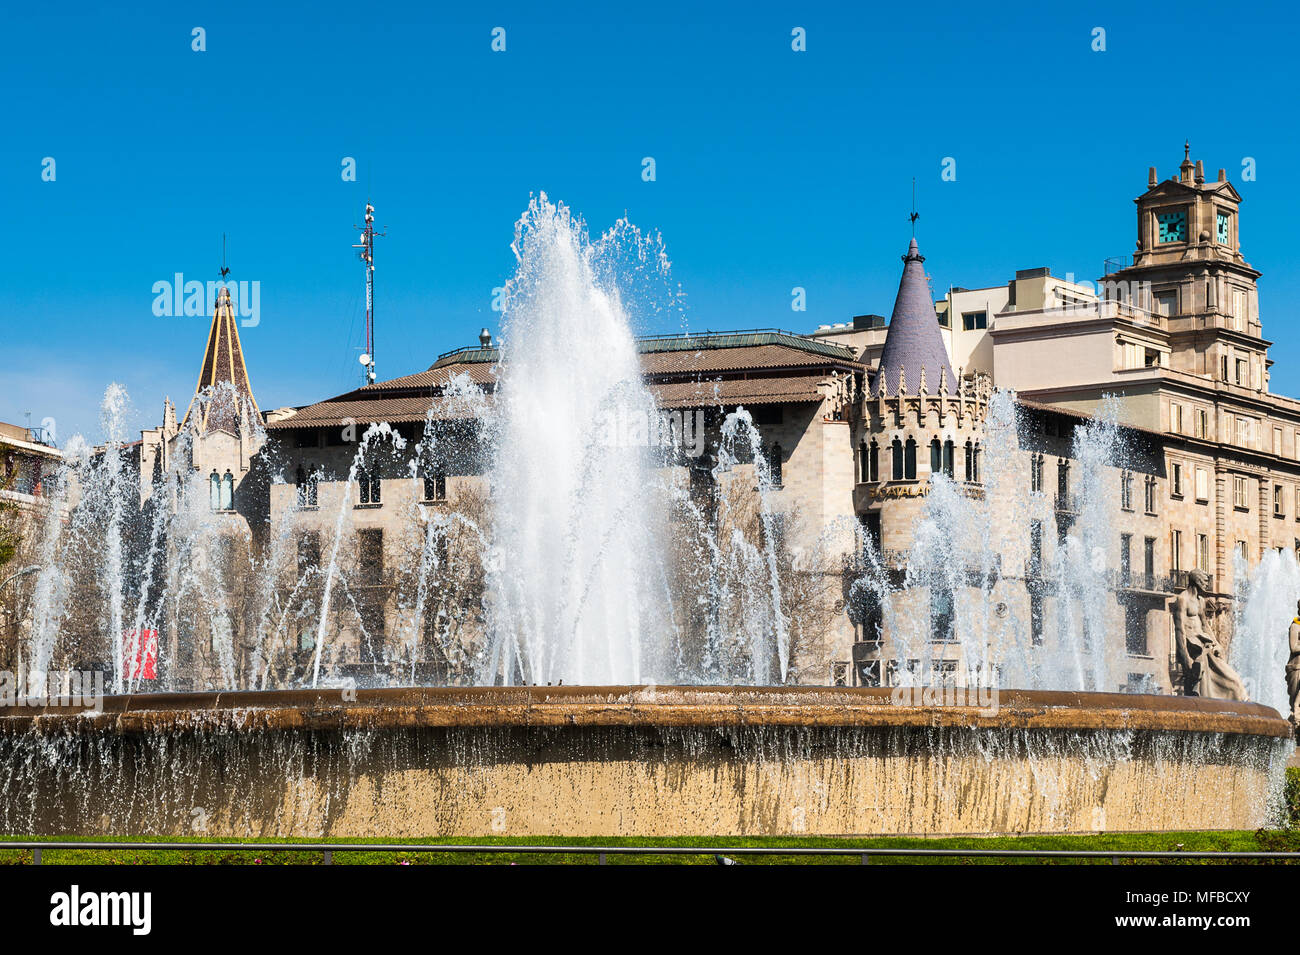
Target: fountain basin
[636, 761]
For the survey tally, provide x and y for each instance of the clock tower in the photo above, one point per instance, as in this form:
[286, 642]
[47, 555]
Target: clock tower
[1189, 273]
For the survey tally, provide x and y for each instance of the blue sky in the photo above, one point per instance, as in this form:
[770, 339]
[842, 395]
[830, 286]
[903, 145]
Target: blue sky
[774, 169]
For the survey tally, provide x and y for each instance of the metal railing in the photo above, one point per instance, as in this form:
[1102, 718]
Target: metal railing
[327, 849]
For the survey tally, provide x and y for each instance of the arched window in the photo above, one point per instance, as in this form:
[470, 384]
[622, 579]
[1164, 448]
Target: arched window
[214, 491]
[947, 457]
[909, 460]
[975, 465]
[936, 456]
[873, 462]
[863, 470]
[896, 449]
[970, 462]
[300, 476]
[227, 491]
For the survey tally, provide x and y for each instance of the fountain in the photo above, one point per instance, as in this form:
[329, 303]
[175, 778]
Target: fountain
[619, 654]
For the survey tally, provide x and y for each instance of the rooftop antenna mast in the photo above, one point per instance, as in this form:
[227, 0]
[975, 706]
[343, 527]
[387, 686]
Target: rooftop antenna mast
[367, 255]
[224, 271]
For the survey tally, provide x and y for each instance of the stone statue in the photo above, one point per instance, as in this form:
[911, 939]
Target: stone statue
[1293, 669]
[1205, 666]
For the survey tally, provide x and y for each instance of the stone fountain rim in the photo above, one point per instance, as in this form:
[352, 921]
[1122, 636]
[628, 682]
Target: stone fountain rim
[645, 705]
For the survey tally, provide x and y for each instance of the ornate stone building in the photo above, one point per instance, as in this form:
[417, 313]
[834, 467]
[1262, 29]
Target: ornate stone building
[856, 422]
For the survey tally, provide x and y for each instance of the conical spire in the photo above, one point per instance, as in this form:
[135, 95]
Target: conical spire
[223, 397]
[913, 341]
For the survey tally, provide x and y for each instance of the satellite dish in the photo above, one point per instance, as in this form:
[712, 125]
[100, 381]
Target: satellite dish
[364, 359]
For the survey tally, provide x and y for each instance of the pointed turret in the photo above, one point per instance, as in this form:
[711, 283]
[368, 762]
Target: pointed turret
[913, 343]
[223, 399]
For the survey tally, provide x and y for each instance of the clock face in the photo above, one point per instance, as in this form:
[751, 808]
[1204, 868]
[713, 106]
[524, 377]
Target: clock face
[1173, 226]
[1223, 228]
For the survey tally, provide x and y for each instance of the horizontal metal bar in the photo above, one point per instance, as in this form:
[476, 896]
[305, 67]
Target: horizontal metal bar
[641, 850]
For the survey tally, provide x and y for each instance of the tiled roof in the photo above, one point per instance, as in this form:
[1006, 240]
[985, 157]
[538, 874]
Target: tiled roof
[734, 359]
[364, 411]
[737, 391]
[702, 361]
[914, 341]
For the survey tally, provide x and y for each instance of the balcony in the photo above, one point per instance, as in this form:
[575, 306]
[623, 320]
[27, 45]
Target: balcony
[1129, 312]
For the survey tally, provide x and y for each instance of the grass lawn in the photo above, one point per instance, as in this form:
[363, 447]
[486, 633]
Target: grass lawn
[1272, 840]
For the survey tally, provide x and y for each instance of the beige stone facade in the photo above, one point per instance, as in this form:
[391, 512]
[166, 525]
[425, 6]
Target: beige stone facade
[1170, 344]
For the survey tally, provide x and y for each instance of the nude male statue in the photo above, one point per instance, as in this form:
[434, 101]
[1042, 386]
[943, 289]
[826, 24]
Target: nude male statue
[1205, 666]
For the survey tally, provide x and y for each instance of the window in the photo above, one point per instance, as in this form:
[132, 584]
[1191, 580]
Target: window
[308, 552]
[1126, 490]
[1175, 550]
[214, 491]
[368, 486]
[1176, 480]
[936, 456]
[1135, 629]
[1240, 498]
[1279, 506]
[873, 462]
[947, 457]
[1277, 441]
[1166, 303]
[862, 462]
[227, 491]
[972, 462]
[1243, 431]
[970, 321]
[370, 554]
[1202, 423]
[909, 460]
[1035, 548]
[1175, 417]
[1242, 551]
[1243, 374]
[1149, 557]
[1150, 494]
[307, 484]
[1062, 482]
[774, 464]
[1240, 307]
[1125, 557]
[435, 486]
[941, 615]
[896, 449]
[1036, 618]
[1203, 552]
[1036, 473]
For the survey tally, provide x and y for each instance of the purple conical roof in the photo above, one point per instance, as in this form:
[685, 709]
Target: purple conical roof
[913, 341]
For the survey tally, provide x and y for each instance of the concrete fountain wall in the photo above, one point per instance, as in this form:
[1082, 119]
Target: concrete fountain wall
[635, 761]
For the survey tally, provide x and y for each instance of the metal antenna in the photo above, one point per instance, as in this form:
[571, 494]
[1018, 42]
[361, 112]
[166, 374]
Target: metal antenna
[367, 255]
[224, 271]
[915, 215]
